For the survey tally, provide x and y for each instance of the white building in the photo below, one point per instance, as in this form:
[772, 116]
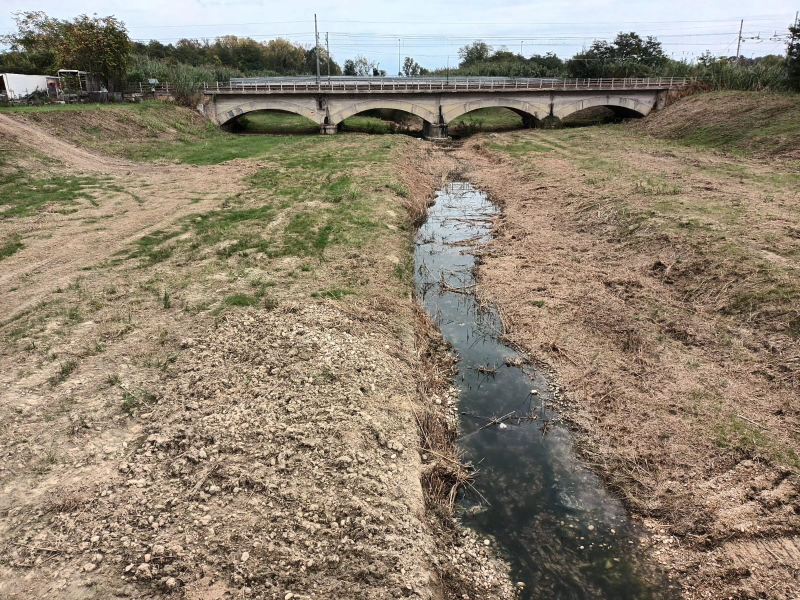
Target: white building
[17, 87]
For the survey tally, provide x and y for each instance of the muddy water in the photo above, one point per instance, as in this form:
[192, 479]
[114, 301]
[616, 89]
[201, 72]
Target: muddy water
[563, 534]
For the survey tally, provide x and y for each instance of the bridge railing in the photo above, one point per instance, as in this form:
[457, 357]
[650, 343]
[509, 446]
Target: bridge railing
[464, 84]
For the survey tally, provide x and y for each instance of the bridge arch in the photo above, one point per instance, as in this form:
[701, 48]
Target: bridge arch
[267, 103]
[353, 109]
[623, 103]
[536, 111]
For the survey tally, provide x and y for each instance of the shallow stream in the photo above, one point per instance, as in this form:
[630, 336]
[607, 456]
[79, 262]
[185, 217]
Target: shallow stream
[563, 534]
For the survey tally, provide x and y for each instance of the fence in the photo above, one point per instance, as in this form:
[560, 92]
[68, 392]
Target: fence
[303, 85]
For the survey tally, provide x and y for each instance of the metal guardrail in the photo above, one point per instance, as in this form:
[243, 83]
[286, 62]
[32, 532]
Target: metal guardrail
[488, 84]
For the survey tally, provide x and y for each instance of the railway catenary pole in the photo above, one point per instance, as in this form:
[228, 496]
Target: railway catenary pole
[316, 39]
[739, 41]
[328, 52]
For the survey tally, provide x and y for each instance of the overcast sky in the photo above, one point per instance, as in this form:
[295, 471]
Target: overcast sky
[433, 30]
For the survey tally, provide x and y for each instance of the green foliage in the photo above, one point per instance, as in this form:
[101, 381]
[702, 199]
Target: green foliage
[244, 56]
[627, 56]
[793, 59]
[477, 51]
[99, 45]
[411, 68]
[363, 67]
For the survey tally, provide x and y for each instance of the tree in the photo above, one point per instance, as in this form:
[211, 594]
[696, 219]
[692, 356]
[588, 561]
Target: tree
[477, 51]
[284, 57]
[311, 62]
[411, 68]
[793, 58]
[362, 67]
[628, 55]
[35, 41]
[99, 45]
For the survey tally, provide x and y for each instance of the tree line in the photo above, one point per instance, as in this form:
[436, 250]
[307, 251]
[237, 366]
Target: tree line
[101, 45]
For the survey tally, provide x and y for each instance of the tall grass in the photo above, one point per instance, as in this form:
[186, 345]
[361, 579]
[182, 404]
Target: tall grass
[756, 78]
[186, 79]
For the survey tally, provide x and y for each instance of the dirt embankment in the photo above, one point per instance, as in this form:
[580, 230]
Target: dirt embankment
[182, 421]
[760, 125]
[661, 283]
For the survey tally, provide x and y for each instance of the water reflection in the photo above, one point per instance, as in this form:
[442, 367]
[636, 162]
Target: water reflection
[563, 534]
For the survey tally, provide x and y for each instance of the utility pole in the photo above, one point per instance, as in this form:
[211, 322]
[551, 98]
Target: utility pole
[316, 38]
[328, 52]
[739, 41]
[448, 69]
[399, 69]
[520, 47]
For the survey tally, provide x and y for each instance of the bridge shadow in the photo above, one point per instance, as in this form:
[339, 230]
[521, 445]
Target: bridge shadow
[599, 115]
[384, 121]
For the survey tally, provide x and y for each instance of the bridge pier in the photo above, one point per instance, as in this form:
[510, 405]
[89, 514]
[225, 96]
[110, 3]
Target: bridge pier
[328, 129]
[434, 131]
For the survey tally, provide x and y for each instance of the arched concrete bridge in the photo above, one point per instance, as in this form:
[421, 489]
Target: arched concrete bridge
[436, 101]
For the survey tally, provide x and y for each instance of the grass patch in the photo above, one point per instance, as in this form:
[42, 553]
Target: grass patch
[734, 433]
[489, 118]
[65, 369]
[150, 247]
[277, 122]
[241, 300]
[11, 246]
[22, 196]
[332, 293]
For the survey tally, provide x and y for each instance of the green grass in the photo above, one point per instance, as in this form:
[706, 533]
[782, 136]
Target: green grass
[22, 196]
[12, 245]
[277, 122]
[489, 118]
[64, 371]
[735, 433]
[332, 293]
[150, 248]
[241, 300]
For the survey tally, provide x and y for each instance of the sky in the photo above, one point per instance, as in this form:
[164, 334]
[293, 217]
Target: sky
[432, 31]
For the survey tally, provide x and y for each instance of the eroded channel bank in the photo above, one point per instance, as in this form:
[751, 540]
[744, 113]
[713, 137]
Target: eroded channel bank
[562, 533]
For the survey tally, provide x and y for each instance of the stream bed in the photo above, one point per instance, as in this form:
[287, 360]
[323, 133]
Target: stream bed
[563, 534]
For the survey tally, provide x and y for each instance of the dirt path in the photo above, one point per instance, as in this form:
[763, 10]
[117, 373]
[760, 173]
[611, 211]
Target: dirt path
[37, 139]
[133, 200]
[688, 410]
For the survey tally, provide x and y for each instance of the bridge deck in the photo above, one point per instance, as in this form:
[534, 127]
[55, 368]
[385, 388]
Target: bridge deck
[424, 85]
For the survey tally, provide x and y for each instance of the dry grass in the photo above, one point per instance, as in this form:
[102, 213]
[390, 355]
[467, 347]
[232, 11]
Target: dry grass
[670, 314]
